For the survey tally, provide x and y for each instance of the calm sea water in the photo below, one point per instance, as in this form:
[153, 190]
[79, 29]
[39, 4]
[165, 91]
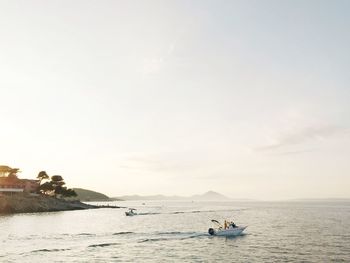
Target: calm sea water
[177, 232]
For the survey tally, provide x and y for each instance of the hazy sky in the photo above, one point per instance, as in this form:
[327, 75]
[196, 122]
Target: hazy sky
[248, 98]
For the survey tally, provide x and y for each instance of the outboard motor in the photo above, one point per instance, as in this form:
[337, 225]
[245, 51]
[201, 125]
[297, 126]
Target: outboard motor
[211, 231]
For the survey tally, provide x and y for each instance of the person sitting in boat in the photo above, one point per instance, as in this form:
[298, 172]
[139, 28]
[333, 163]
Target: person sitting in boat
[232, 224]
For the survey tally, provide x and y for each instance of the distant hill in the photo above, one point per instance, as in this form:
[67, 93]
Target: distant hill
[149, 197]
[208, 196]
[88, 195]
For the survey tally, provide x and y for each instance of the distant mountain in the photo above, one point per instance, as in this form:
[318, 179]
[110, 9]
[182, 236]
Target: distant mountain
[149, 197]
[208, 196]
[88, 195]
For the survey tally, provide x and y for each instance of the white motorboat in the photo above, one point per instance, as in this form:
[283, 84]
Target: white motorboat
[131, 212]
[229, 229]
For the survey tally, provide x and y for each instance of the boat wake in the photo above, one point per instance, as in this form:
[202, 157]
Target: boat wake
[147, 214]
[49, 250]
[122, 233]
[170, 236]
[86, 234]
[188, 212]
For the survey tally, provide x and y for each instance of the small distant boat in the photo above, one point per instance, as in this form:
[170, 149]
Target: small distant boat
[229, 229]
[131, 212]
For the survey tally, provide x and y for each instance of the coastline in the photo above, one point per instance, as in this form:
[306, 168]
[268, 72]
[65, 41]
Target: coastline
[35, 204]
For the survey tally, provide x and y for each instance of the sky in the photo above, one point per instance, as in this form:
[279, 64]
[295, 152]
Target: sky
[247, 98]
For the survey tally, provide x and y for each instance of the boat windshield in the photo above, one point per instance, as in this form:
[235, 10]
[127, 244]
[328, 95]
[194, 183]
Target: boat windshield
[217, 223]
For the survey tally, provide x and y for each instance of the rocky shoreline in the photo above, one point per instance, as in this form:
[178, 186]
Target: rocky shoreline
[34, 204]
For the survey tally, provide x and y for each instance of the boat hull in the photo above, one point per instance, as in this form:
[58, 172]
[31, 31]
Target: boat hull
[236, 231]
[129, 214]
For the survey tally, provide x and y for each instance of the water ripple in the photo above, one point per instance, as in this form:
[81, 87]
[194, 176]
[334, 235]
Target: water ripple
[104, 245]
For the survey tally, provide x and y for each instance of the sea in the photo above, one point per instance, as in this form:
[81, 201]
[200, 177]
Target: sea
[169, 231]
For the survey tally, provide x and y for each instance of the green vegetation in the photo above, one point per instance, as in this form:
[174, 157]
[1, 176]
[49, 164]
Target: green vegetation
[42, 176]
[56, 187]
[52, 194]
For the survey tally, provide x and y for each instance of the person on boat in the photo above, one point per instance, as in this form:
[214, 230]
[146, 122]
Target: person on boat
[232, 224]
[225, 224]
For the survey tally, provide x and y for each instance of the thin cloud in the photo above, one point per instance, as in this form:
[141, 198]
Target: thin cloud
[159, 163]
[294, 152]
[303, 136]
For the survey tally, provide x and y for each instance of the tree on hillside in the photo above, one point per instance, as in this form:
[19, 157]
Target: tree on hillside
[46, 188]
[55, 187]
[42, 175]
[57, 180]
[69, 193]
[64, 191]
